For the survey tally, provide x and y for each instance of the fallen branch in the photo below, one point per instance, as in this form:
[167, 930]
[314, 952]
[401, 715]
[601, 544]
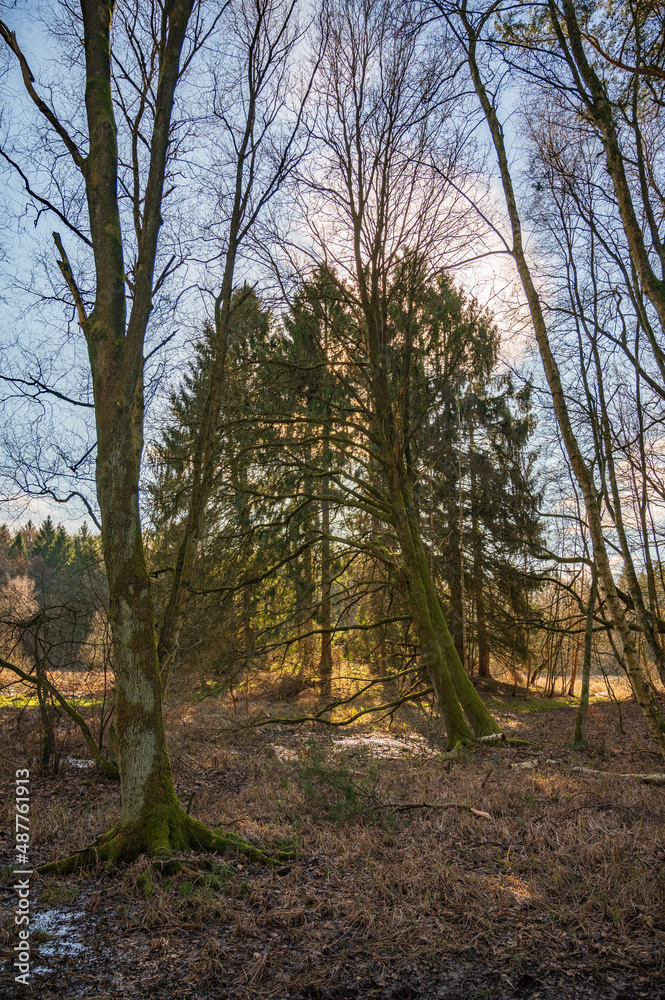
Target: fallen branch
[648, 779]
[387, 708]
[403, 806]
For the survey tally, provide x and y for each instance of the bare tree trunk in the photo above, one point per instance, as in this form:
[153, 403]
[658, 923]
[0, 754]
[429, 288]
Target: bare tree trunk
[640, 684]
[456, 585]
[483, 648]
[477, 573]
[594, 95]
[580, 719]
[604, 432]
[45, 711]
[326, 663]
[308, 587]
[378, 665]
[573, 671]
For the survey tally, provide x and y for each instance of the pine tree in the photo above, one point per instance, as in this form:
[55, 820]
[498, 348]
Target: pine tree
[45, 540]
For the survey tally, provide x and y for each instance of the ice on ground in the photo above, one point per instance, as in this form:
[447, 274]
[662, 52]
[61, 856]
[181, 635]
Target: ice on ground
[63, 926]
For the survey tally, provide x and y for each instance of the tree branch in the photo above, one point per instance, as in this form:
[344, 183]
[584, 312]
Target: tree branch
[28, 80]
[44, 201]
[66, 271]
[109, 769]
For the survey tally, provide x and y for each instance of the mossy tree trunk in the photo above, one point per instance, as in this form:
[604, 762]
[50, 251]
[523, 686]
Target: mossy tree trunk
[455, 694]
[378, 113]
[151, 818]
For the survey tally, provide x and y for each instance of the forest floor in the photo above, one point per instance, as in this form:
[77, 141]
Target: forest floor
[553, 888]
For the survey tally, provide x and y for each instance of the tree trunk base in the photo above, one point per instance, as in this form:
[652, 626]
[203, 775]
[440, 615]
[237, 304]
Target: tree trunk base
[159, 839]
[458, 740]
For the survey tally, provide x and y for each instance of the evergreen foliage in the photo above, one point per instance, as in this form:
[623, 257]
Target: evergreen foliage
[296, 545]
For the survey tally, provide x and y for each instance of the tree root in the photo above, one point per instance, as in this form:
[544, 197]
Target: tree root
[159, 839]
[458, 741]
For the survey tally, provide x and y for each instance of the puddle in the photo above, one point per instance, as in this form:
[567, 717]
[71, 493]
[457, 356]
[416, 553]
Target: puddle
[64, 927]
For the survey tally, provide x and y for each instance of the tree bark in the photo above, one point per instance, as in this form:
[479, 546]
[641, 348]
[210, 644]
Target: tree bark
[477, 569]
[454, 690]
[326, 663]
[454, 576]
[640, 685]
[151, 818]
[378, 665]
[580, 719]
[598, 106]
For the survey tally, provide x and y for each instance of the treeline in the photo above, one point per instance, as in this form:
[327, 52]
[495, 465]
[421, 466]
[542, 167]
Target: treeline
[54, 622]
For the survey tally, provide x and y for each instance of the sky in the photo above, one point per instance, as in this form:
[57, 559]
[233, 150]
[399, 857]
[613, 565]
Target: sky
[26, 241]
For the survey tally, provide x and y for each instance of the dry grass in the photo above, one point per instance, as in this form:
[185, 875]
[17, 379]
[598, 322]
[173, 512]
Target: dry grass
[566, 876]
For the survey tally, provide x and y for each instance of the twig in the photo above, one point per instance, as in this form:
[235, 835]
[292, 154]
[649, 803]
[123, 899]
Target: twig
[403, 806]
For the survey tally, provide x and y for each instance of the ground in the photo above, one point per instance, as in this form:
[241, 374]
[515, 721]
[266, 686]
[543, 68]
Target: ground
[558, 891]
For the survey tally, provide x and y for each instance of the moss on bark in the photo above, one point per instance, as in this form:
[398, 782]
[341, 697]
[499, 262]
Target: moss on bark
[474, 707]
[160, 835]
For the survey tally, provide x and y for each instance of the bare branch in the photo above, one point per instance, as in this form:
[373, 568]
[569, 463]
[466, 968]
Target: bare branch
[28, 80]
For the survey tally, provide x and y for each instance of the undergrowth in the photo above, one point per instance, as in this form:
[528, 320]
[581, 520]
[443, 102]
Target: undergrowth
[339, 795]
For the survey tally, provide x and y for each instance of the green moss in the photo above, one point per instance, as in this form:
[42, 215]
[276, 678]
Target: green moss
[165, 828]
[145, 884]
[220, 876]
[185, 889]
[56, 894]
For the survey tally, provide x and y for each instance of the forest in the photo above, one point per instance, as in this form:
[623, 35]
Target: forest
[332, 591]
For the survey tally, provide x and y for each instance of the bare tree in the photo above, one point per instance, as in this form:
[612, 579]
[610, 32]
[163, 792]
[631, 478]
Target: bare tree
[378, 217]
[114, 317]
[258, 108]
[470, 29]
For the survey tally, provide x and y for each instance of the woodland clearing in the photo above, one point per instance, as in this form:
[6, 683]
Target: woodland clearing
[559, 893]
